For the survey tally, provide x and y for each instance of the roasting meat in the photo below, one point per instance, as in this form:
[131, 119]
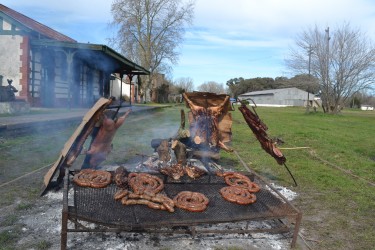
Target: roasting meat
[206, 123]
[194, 171]
[101, 145]
[154, 201]
[193, 168]
[259, 129]
[121, 177]
[175, 172]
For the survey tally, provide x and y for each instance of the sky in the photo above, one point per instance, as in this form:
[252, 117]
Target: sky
[228, 39]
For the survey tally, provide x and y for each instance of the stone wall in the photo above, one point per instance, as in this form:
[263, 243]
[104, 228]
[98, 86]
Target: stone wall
[14, 107]
[10, 58]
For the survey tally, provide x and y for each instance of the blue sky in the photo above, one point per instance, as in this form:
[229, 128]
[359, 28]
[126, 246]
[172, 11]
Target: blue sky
[238, 38]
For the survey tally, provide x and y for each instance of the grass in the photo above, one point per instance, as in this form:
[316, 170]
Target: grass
[342, 205]
[42, 245]
[7, 238]
[337, 208]
[24, 206]
[10, 220]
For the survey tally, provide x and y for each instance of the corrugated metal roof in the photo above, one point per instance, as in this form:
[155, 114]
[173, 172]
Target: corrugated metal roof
[266, 92]
[98, 54]
[34, 25]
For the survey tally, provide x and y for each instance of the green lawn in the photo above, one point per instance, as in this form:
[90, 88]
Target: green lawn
[338, 208]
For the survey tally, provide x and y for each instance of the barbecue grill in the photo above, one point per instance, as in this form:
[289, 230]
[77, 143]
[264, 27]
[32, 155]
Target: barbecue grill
[98, 206]
[83, 205]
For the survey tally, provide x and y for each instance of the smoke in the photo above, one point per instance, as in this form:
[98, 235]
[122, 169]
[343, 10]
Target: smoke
[135, 135]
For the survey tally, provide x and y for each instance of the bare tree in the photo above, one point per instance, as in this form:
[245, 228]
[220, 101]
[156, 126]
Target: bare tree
[184, 84]
[150, 31]
[343, 61]
[212, 87]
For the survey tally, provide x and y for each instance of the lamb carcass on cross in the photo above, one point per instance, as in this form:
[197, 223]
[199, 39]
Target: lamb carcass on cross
[101, 145]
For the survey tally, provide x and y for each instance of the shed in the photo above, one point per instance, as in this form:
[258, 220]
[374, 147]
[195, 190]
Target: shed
[367, 107]
[280, 97]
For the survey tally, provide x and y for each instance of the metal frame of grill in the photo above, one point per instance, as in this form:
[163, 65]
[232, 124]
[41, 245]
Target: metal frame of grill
[98, 206]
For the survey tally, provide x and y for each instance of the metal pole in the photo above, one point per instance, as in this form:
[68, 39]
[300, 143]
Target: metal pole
[327, 71]
[308, 89]
[121, 76]
[130, 76]
[65, 213]
[310, 51]
[69, 58]
[130, 91]
[33, 77]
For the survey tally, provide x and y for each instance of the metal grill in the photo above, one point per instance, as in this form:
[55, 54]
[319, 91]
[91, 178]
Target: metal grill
[98, 206]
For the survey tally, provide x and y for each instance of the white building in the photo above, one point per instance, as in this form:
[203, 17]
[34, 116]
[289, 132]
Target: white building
[281, 97]
[367, 107]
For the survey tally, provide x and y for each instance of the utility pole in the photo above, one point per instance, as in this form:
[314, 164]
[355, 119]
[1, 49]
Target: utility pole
[310, 51]
[327, 71]
[328, 38]
[308, 86]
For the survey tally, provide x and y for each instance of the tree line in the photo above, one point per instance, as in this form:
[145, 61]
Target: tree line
[238, 86]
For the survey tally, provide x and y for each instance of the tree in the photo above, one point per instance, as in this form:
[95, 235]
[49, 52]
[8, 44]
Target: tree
[305, 82]
[238, 86]
[233, 85]
[150, 31]
[212, 87]
[184, 84]
[343, 61]
[162, 93]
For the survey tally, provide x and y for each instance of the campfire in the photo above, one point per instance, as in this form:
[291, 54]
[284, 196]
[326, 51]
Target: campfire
[181, 184]
[194, 151]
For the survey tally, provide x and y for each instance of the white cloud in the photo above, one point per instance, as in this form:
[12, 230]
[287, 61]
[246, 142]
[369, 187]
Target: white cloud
[220, 39]
[278, 17]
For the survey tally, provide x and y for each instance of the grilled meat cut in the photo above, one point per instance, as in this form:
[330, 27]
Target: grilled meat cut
[206, 123]
[101, 146]
[259, 129]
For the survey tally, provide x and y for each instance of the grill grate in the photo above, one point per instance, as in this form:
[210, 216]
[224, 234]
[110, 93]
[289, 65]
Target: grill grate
[98, 205]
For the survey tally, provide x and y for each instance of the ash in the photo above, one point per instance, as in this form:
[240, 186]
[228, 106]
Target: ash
[43, 223]
[287, 193]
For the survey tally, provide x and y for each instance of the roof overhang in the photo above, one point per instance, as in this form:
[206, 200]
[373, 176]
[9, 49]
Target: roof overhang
[97, 55]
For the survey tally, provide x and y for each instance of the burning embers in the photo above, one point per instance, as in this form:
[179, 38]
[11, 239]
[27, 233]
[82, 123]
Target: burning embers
[193, 151]
[173, 159]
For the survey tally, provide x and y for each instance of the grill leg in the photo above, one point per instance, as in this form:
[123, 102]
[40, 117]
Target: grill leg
[64, 230]
[65, 215]
[296, 230]
[193, 232]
